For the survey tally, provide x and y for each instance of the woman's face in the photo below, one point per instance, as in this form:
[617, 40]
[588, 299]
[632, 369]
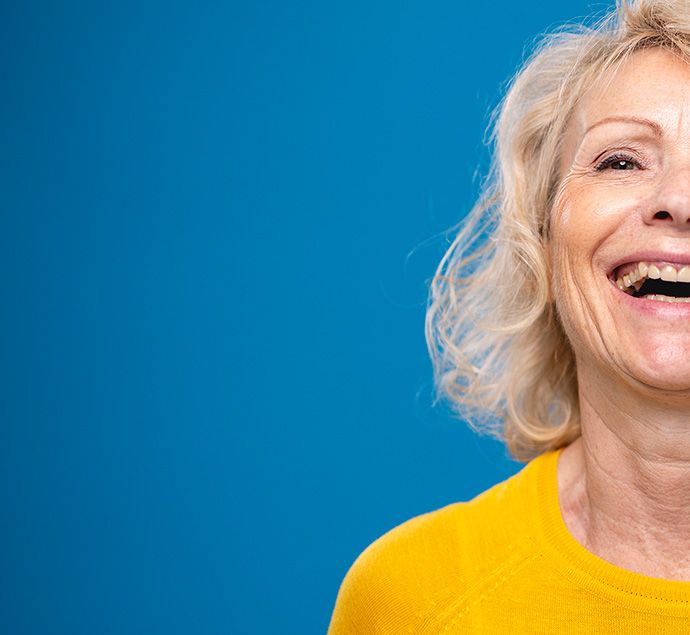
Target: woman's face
[625, 199]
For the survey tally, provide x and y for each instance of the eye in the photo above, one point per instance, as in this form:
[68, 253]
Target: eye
[618, 162]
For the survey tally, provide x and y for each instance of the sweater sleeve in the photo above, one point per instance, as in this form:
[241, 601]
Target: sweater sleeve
[359, 599]
[374, 596]
[395, 582]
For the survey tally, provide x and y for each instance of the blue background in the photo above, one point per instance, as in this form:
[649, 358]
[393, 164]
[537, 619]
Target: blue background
[219, 221]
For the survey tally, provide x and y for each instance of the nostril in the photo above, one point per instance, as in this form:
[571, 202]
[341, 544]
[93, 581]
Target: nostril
[662, 215]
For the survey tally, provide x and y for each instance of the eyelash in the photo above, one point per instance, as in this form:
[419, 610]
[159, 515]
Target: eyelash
[616, 158]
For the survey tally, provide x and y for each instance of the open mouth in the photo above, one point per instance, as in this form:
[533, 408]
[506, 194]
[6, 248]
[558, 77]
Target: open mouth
[662, 282]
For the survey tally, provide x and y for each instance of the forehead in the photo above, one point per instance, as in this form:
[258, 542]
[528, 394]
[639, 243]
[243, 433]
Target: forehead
[652, 83]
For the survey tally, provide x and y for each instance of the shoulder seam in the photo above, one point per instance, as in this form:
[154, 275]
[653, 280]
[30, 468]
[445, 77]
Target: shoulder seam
[484, 587]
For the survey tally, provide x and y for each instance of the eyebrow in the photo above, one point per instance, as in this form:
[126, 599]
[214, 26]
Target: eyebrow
[656, 128]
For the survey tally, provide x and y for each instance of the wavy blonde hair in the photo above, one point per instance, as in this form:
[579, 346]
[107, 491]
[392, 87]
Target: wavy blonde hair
[499, 352]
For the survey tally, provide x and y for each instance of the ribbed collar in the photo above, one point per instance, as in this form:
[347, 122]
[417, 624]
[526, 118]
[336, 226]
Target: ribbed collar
[634, 590]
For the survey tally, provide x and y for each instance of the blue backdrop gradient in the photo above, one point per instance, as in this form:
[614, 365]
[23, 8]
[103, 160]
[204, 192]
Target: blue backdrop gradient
[219, 220]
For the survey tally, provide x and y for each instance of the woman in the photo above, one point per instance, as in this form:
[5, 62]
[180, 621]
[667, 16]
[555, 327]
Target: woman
[559, 320]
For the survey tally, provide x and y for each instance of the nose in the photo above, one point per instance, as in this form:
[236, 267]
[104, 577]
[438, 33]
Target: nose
[672, 204]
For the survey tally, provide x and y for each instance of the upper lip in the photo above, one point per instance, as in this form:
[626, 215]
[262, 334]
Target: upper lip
[651, 256]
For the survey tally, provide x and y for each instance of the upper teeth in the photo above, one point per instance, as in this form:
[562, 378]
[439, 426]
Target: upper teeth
[643, 270]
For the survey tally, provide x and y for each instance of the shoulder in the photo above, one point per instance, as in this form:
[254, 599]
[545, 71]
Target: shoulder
[415, 567]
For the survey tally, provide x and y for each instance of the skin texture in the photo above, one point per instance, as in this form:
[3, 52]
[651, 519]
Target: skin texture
[624, 485]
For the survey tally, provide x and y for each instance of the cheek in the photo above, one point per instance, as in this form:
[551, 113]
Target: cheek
[580, 225]
[588, 221]
[568, 242]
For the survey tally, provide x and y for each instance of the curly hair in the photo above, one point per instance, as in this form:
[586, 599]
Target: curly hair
[499, 352]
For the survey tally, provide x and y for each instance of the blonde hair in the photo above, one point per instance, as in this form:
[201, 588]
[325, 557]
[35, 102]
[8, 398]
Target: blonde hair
[499, 352]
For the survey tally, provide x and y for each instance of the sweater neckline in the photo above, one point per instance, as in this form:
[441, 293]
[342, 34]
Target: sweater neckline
[589, 570]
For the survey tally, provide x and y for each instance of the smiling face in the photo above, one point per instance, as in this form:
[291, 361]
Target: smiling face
[625, 198]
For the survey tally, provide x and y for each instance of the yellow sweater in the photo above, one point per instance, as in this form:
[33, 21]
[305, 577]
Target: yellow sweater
[504, 562]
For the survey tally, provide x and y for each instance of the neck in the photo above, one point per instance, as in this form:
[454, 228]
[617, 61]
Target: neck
[624, 484]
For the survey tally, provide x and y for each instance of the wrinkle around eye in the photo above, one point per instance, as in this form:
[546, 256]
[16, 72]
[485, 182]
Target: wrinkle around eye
[576, 170]
[601, 166]
[643, 150]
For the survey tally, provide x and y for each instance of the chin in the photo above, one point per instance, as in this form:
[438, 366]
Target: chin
[665, 367]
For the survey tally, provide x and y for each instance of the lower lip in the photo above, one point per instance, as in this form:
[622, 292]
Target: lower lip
[654, 308]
